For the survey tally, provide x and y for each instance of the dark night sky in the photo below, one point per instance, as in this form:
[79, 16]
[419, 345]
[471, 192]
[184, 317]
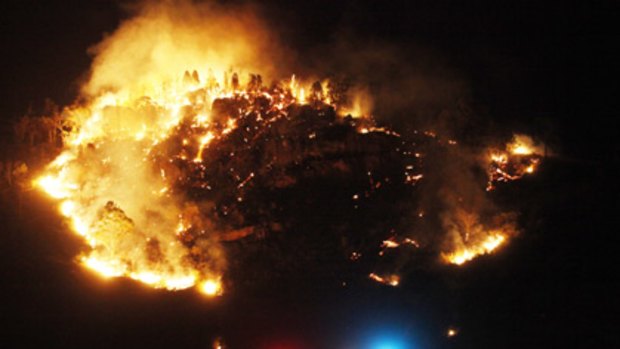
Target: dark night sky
[527, 63]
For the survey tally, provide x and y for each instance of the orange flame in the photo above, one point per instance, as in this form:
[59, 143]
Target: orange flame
[465, 254]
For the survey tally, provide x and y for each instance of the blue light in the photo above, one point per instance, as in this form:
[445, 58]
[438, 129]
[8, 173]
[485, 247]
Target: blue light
[389, 342]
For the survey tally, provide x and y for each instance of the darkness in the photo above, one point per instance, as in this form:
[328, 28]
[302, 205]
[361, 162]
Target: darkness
[537, 67]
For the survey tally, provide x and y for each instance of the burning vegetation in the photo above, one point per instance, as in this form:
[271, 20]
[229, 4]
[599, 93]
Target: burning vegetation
[171, 157]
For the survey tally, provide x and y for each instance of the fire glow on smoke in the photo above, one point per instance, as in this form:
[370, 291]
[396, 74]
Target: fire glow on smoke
[162, 93]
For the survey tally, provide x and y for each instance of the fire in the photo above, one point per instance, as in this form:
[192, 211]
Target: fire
[204, 141]
[521, 150]
[452, 332]
[519, 158]
[470, 235]
[55, 187]
[390, 280]
[104, 268]
[467, 253]
[392, 243]
[360, 106]
[523, 145]
[161, 97]
[211, 287]
[67, 208]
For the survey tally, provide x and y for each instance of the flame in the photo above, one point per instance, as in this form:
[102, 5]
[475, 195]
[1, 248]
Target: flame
[390, 244]
[452, 332]
[519, 157]
[359, 106]
[523, 145]
[204, 141]
[467, 253]
[55, 186]
[521, 150]
[469, 235]
[211, 287]
[390, 280]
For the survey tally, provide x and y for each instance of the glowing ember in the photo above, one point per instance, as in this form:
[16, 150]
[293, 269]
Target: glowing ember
[390, 244]
[355, 256]
[390, 280]
[452, 332]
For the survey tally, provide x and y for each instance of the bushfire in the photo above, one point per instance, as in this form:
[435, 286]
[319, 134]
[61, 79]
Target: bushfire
[166, 157]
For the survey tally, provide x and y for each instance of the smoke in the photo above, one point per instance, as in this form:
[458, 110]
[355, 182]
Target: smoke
[409, 86]
[165, 38]
[454, 196]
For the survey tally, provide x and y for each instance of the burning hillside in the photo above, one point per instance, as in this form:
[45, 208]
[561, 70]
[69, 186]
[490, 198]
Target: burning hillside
[168, 156]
